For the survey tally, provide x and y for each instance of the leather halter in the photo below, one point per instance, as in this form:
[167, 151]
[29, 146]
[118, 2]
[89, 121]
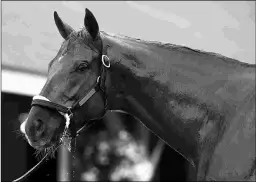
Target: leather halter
[68, 112]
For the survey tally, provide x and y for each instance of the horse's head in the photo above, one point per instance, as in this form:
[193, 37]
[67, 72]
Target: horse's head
[73, 82]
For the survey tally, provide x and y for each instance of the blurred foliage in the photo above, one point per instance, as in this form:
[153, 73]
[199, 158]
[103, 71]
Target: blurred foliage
[111, 153]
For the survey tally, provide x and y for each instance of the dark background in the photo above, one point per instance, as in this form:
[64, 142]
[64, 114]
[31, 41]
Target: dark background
[18, 157]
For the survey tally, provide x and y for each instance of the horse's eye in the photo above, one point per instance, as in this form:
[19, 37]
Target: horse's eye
[82, 67]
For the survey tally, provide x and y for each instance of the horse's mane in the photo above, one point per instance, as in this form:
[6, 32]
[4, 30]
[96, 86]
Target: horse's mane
[169, 46]
[184, 49]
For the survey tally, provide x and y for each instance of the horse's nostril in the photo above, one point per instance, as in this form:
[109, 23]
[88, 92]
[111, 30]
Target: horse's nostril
[38, 124]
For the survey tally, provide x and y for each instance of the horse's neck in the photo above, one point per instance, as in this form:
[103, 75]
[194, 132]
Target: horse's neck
[147, 82]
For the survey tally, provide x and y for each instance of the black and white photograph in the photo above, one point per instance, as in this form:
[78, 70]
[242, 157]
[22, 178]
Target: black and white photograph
[127, 91]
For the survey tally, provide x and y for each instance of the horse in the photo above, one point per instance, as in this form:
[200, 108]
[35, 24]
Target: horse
[201, 104]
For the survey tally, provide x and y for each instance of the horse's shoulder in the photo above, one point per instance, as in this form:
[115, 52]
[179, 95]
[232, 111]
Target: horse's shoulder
[234, 155]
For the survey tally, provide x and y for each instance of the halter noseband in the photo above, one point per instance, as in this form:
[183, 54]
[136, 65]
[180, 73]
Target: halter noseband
[68, 112]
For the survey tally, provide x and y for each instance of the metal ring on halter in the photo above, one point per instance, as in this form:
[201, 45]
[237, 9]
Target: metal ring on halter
[103, 61]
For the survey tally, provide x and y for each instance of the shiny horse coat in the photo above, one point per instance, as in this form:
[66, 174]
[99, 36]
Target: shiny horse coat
[201, 104]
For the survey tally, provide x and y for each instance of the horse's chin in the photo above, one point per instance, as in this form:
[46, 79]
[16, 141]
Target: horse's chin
[48, 149]
[42, 145]
[45, 143]
[50, 145]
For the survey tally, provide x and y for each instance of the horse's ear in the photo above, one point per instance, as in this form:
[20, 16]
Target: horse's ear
[63, 28]
[91, 24]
